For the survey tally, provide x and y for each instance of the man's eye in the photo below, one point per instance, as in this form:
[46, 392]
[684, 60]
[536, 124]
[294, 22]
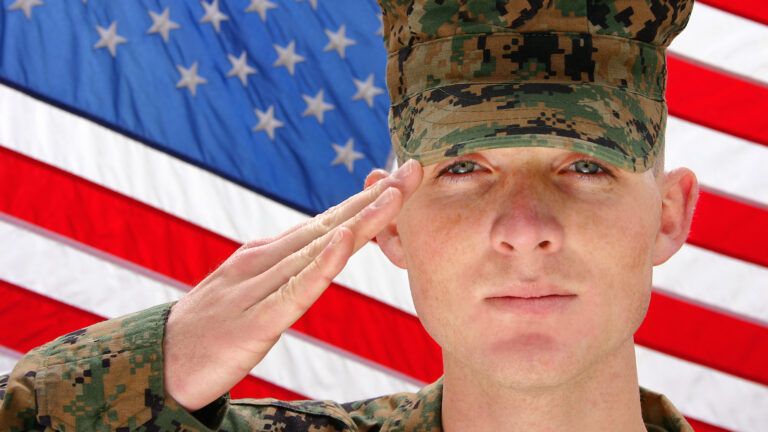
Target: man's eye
[588, 167]
[460, 167]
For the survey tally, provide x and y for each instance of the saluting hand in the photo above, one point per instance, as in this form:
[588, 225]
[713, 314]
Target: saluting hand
[228, 323]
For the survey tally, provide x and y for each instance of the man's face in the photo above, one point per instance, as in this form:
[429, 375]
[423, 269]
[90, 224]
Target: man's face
[511, 219]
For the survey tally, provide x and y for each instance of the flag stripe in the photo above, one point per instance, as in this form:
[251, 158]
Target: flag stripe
[369, 272]
[705, 336]
[252, 387]
[8, 359]
[341, 317]
[729, 104]
[720, 161]
[756, 10]
[704, 393]
[285, 364]
[122, 161]
[709, 38]
[187, 253]
[701, 343]
[720, 282]
[52, 319]
[106, 280]
[730, 227]
[95, 153]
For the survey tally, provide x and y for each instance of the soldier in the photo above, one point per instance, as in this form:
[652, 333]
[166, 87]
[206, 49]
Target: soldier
[529, 210]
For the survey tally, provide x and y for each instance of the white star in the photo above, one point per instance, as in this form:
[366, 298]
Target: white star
[213, 15]
[189, 78]
[161, 23]
[366, 90]
[240, 68]
[380, 31]
[338, 41]
[346, 155]
[26, 6]
[316, 106]
[267, 122]
[261, 6]
[109, 38]
[287, 57]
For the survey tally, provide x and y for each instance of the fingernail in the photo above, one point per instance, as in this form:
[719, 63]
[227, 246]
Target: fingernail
[404, 170]
[383, 199]
[336, 237]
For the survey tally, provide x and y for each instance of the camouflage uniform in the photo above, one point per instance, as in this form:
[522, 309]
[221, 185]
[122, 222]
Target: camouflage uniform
[109, 376]
[462, 76]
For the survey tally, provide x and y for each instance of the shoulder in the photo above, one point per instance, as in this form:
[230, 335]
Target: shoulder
[659, 414]
[315, 415]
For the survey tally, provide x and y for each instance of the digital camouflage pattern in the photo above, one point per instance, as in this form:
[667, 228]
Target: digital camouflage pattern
[108, 377]
[586, 75]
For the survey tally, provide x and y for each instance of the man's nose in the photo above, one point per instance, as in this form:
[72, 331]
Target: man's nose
[526, 223]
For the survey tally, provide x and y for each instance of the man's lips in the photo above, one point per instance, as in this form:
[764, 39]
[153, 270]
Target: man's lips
[530, 291]
[538, 298]
[531, 305]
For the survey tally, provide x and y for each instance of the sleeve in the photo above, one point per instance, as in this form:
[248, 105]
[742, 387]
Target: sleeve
[108, 376]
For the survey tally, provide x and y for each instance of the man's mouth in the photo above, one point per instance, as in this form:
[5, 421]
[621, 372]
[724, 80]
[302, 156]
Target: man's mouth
[531, 298]
[536, 305]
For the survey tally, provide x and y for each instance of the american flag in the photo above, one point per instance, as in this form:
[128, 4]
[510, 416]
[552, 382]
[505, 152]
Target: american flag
[142, 142]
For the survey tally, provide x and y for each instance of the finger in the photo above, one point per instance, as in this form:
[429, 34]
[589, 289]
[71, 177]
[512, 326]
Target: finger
[406, 179]
[364, 226]
[354, 201]
[282, 308]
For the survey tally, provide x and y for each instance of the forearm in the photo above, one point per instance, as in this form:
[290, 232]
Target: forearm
[104, 377]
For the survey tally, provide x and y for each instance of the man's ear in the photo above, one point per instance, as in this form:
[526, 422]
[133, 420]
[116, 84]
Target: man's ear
[679, 193]
[388, 239]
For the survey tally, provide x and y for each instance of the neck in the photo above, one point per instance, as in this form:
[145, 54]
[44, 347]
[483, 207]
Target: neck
[603, 398]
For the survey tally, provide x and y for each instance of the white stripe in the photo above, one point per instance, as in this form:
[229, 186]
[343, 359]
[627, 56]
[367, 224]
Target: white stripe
[722, 162]
[332, 375]
[725, 41]
[302, 365]
[8, 359]
[102, 156]
[716, 280]
[105, 288]
[106, 158]
[703, 393]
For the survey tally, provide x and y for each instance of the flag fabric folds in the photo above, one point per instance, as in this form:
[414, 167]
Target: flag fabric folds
[142, 142]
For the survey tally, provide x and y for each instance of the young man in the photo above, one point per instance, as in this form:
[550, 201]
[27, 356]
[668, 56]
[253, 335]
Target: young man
[529, 230]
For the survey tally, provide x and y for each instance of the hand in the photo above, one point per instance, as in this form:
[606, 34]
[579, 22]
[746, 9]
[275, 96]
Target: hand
[228, 323]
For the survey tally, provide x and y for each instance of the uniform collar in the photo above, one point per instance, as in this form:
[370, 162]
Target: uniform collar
[422, 412]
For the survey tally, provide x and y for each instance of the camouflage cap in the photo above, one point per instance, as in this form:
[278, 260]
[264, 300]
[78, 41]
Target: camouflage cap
[586, 75]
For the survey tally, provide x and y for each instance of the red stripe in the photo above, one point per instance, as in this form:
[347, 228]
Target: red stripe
[52, 318]
[342, 318]
[252, 387]
[39, 319]
[36, 319]
[187, 253]
[717, 100]
[730, 227]
[705, 336]
[756, 10]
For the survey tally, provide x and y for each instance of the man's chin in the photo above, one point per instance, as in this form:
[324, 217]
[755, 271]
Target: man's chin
[530, 359]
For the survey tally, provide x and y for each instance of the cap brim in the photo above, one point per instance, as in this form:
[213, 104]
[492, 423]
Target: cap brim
[611, 124]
